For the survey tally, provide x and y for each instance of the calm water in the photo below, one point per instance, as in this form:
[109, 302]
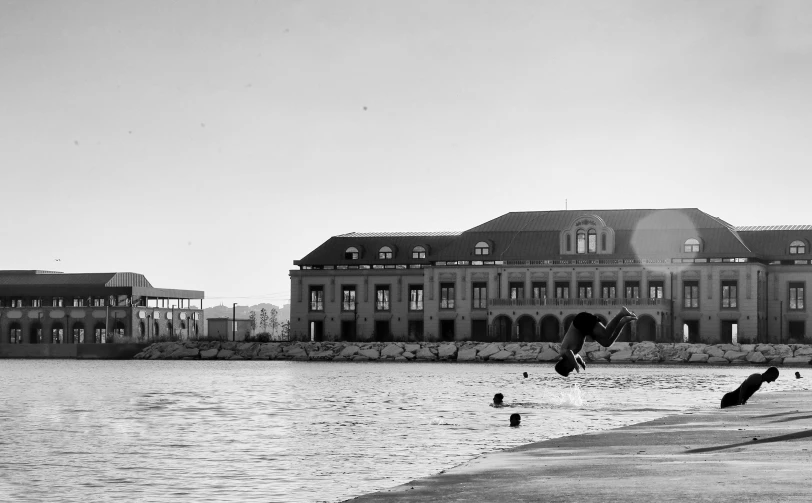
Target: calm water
[302, 431]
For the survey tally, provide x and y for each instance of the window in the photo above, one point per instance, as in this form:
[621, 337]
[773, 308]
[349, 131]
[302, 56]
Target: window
[562, 290]
[592, 241]
[729, 294]
[36, 302]
[482, 248]
[796, 296]
[516, 290]
[569, 243]
[348, 298]
[57, 335]
[539, 290]
[690, 295]
[655, 289]
[608, 290]
[580, 242]
[15, 334]
[797, 247]
[584, 290]
[98, 301]
[446, 295]
[351, 253]
[418, 252]
[57, 302]
[382, 297]
[603, 242]
[317, 298]
[78, 302]
[691, 246]
[385, 253]
[415, 297]
[16, 302]
[632, 289]
[480, 295]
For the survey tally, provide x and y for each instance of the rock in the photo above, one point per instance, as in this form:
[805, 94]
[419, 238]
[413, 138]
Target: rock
[782, 350]
[447, 351]
[735, 356]
[184, 352]
[372, 354]
[296, 352]
[547, 354]
[527, 354]
[747, 348]
[270, 350]
[235, 356]
[425, 354]
[513, 348]
[621, 356]
[208, 354]
[755, 357]
[322, 355]
[408, 355]
[466, 355]
[803, 351]
[501, 355]
[728, 347]
[490, 349]
[592, 347]
[696, 348]
[598, 355]
[349, 351]
[391, 351]
[714, 351]
[646, 352]
[224, 354]
[674, 353]
[698, 358]
[360, 358]
[797, 360]
[401, 359]
[718, 360]
[411, 348]
[620, 346]
[765, 349]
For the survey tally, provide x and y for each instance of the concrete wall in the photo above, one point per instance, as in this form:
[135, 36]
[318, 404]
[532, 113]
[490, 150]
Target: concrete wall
[72, 351]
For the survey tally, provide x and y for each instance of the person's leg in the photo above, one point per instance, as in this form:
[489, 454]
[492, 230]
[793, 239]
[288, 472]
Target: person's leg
[610, 327]
[604, 336]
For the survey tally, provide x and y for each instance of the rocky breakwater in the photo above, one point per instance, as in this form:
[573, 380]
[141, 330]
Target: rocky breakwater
[620, 352]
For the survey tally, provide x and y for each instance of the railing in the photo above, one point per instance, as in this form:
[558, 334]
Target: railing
[613, 301]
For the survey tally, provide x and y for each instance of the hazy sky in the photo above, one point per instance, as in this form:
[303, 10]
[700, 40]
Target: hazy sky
[207, 145]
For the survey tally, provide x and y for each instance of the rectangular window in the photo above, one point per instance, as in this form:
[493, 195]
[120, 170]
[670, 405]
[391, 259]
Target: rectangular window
[446, 295]
[655, 289]
[608, 290]
[57, 302]
[539, 290]
[348, 298]
[562, 290]
[99, 302]
[480, 295]
[796, 296]
[516, 290]
[690, 295]
[584, 290]
[78, 302]
[382, 297]
[729, 294]
[36, 302]
[317, 298]
[416, 298]
[632, 289]
[16, 302]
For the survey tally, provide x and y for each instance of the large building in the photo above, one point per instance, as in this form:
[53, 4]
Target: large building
[44, 307]
[688, 275]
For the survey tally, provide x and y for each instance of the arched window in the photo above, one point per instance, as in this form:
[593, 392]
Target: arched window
[418, 252]
[691, 245]
[603, 242]
[78, 333]
[569, 243]
[482, 248]
[385, 253]
[57, 333]
[580, 242]
[351, 253]
[100, 333]
[142, 328]
[797, 248]
[156, 329]
[592, 241]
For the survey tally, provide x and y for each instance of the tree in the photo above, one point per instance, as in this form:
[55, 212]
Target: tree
[285, 334]
[263, 319]
[252, 318]
[273, 321]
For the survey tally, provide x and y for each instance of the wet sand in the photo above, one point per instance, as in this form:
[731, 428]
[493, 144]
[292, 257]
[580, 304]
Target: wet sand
[758, 452]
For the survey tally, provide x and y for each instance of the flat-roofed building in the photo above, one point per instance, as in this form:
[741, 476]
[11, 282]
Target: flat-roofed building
[523, 276]
[228, 329]
[47, 307]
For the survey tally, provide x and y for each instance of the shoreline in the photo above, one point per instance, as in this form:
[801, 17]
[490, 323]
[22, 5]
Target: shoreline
[683, 456]
[799, 355]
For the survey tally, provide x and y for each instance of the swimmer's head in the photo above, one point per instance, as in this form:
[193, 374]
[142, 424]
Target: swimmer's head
[497, 399]
[525, 374]
[797, 375]
[515, 419]
[563, 367]
[771, 374]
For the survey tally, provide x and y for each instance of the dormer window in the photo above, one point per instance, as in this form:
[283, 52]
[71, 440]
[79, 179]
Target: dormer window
[418, 252]
[797, 248]
[385, 253]
[691, 246]
[351, 253]
[482, 248]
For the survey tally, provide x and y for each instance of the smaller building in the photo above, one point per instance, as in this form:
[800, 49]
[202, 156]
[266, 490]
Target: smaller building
[223, 329]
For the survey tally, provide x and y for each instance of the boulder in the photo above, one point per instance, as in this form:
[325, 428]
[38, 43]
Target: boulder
[592, 347]
[782, 350]
[447, 351]
[322, 355]
[547, 354]
[621, 356]
[501, 355]
[360, 358]
[411, 348]
[674, 353]
[528, 353]
[349, 351]
[391, 351]
[755, 357]
[620, 346]
[408, 355]
[208, 354]
[490, 349]
[718, 360]
[646, 352]
[714, 351]
[296, 352]
[728, 347]
[268, 350]
[225, 354]
[235, 356]
[466, 355]
[797, 361]
[765, 349]
[803, 351]
[747, 348]
[184, 352]
[425, 354]
[735, 356]
[372, 354]
[696, 348]
[698, 358]
[598, 355]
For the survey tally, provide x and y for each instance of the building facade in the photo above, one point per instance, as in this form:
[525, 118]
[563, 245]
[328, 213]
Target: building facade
[689, 276]
[44, 307]
[228, 329]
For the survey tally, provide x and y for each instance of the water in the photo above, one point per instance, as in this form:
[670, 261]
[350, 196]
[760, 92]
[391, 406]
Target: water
[160, 431]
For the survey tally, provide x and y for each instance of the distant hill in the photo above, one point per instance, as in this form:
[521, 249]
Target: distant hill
[243, 312]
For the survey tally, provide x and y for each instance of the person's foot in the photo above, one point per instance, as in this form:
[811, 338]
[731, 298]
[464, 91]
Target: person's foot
[625, 312]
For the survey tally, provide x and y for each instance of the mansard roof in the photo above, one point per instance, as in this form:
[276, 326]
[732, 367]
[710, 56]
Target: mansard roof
[331, 252]
[772, 243]
[53, 278]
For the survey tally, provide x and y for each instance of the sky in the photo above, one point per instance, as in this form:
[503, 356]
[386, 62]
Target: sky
[208, 144]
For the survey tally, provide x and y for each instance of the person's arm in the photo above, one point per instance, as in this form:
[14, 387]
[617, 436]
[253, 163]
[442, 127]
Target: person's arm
[580, 361]
[571, 359]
